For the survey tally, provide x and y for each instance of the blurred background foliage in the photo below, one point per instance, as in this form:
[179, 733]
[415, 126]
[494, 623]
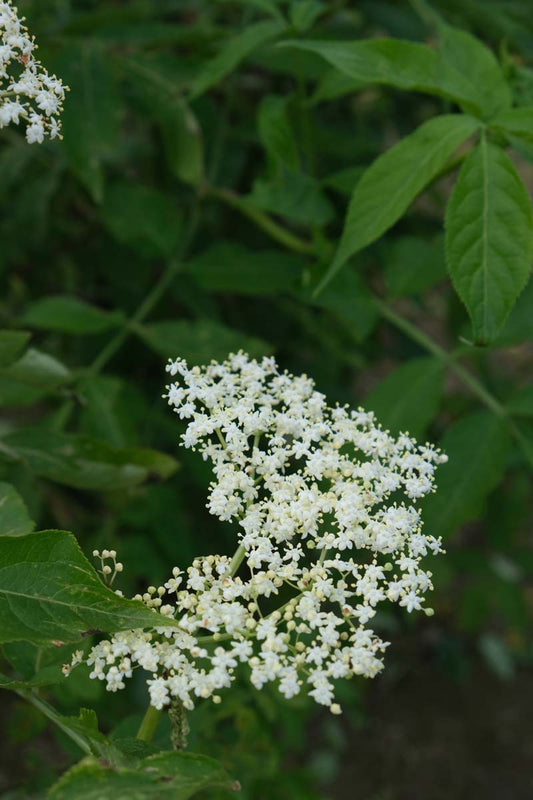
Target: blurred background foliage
[190, 209]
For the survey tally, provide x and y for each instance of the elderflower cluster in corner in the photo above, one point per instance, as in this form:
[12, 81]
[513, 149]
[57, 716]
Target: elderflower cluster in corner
[27, 91]
[324, 539]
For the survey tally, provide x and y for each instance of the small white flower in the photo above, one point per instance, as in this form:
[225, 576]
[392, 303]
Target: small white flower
[315, 525]
[29, 94]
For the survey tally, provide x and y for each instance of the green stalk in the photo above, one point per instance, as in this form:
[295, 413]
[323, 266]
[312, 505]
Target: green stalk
[143, 310]
[236, 561]
[149, 724]
[263, 221]
[435, 349]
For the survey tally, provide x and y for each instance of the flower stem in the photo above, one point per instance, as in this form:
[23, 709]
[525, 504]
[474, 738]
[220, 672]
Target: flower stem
[237, 560]
[149, 724]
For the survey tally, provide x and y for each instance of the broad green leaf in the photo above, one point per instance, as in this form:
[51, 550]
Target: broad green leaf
[475, 63]
[489, 238]
[344, 180]
[476, 447]
[91, 114]
[518, 327]
[235, 50]
[99, 415]
[397, 63]
[231, 267]
[413, 264]
[86, 463]
[14, 517]
[348, 298]
[276, 133]
[394, 180]
[12, 343]
[408, 398]
[523, 428]
[182, 137]
[47, 676]
[38, 369]
[142, 218]
[516, 122]
[31, 378]
[50, 594]
[69, 315]
[521, 402]
[200, 341]
[336, 84]
[163, 776]
[293, 195]
[303, 13]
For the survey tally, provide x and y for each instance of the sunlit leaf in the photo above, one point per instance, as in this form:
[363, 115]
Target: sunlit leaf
[392, 182]
[49, 593]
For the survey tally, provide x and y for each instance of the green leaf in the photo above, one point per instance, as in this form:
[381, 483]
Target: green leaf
[182, 137]
[293, 195]
[348, 298]
[303, 13]
[231, 267]
[489, 238]
[344, 180]
[143, 218]
[233, 52]
[276, 133]
[414, 264]
[163, 776]
[476, 64]
[91, 114]
[397, 63]
[69, 315]
[476, 447]
[50, 594]
[199, 341]
[86, 463]
[38, 369]
[32, 377]
[395, 179]
[336, 84]
[518, 327]
[515, 122]
[14, 517]
[46, 677]
[408, 398]
[12, 343]
[521, 402]
[99, 414]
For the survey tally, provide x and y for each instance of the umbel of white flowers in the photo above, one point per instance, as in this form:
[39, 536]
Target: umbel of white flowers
[321, 542]
[27, 92]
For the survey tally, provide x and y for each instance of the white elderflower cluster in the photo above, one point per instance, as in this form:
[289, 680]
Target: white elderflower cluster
[323, 501]
[27, 91]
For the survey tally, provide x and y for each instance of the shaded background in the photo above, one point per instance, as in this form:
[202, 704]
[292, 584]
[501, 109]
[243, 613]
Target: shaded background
[188, 227]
